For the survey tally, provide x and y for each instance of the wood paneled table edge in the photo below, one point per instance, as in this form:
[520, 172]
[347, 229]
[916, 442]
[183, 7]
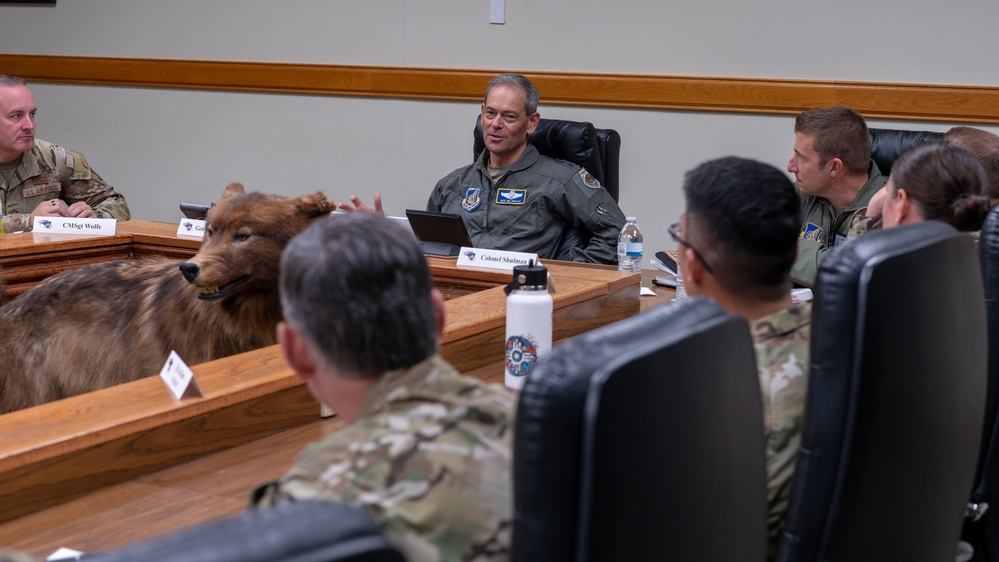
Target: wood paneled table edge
[58, 451]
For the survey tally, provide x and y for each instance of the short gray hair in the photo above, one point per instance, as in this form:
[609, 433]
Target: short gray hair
[358, 289]
[531, 95]
[8, 81]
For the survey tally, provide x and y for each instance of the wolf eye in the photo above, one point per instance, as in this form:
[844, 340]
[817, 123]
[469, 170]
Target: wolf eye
[209, 231]
[241, 237]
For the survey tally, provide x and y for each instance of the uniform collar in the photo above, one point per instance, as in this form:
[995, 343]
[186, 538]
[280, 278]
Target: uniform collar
[396, 385]
[526, 160]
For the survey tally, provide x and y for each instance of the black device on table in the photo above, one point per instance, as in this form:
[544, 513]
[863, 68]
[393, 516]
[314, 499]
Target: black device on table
[194, 211]
[666, 280]
[440, 234]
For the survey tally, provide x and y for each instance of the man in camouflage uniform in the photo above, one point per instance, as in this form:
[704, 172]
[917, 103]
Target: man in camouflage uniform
[427, 450]
[513, 198]
[736, 243]
[38, 178]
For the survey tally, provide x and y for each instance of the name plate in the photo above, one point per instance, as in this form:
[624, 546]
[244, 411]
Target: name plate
[493, 259]
[179, 378]
[69, 225]
[192, 228]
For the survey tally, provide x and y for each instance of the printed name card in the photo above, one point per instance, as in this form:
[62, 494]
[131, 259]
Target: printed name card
[179, 378]
[798, 295]
[191, 228]
[493, 259]
[70, 225]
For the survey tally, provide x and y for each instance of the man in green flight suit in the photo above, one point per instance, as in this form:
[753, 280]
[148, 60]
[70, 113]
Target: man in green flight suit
[836, 178]
[513, 198]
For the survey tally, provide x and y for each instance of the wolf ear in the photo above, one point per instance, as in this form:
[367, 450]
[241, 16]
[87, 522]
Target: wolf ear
[234, 188]
[314, 205]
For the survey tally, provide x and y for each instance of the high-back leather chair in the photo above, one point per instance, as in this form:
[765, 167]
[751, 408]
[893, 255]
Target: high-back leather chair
[981, 528]
[309, 531]
[597, 150]
[643, 440]
[888, 144]
[895, 407]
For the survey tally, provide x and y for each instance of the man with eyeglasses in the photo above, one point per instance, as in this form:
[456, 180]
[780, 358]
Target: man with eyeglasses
[736, 243]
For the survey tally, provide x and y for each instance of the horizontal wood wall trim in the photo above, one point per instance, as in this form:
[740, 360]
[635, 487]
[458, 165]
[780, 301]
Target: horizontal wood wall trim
[918, 102]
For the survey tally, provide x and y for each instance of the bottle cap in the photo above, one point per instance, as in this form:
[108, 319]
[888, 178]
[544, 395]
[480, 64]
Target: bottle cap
[529, 275]
[630, 219]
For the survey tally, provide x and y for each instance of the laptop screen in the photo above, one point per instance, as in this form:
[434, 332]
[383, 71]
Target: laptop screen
[440, 233]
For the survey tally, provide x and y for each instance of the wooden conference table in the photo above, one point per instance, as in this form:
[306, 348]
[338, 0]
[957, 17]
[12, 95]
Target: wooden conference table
[128, 463]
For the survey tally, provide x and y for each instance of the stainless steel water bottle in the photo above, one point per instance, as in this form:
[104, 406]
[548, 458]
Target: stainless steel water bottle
[528, 322]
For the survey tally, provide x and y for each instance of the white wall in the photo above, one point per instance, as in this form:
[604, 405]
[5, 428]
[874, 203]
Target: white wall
[162, 147]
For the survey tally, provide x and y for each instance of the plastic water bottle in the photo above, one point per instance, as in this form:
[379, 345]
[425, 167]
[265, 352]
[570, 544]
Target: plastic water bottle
[629, 247]
[681, 293]
[528, 322]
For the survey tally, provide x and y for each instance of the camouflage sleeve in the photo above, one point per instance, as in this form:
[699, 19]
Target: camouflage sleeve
[85, 185]
[782, 363]
[861, 223]
[14, 222]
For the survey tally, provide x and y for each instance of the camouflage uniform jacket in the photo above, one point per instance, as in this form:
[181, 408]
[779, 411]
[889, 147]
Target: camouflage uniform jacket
[49, 172]
[428, 456]
[822, 227]
[781, 340]
[862, 223]
[529, 209]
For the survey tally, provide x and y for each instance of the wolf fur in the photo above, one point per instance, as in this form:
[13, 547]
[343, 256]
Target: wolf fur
[109, 323]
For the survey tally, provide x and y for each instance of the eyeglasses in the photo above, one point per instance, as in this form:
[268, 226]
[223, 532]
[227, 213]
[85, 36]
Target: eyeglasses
[674, 231]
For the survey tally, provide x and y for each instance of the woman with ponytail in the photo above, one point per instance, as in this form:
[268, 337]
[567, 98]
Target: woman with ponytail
[938, 180]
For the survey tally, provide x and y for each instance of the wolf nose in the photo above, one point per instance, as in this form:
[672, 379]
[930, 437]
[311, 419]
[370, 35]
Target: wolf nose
[190, 270]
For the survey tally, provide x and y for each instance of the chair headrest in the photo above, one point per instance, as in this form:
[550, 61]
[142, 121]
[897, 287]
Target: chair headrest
[888, 144]
[574, 141]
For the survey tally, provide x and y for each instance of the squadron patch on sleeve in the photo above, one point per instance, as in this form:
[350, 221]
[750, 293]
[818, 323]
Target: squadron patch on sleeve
[472, 199]
[588, 179]
[812, 231]
[588, 184]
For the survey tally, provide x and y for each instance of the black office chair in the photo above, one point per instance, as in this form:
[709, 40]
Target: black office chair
[309, 531]
[981, 529]
[895, 408]
[643, 440]
[888, 144]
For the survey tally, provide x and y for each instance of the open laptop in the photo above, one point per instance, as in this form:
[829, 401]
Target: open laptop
[440, 234]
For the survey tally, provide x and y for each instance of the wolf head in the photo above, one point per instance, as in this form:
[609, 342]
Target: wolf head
[245, 234]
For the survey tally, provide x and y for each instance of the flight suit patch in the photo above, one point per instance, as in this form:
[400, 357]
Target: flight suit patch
[812, 231]
[472, 199]
[508, 196]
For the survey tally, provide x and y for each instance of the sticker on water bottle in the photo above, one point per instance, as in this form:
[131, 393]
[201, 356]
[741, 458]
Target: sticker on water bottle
[521, 355]
[633, 249]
